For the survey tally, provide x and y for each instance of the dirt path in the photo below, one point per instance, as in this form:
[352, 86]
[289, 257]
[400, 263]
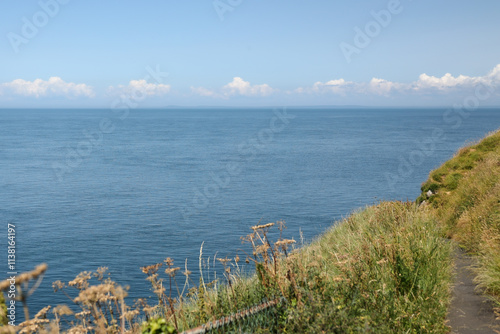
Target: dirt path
[469, 311]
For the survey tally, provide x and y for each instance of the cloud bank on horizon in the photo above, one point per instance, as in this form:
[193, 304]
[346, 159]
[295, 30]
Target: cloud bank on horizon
[423, 85]
[61, 53]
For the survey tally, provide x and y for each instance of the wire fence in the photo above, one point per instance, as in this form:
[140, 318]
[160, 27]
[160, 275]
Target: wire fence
[261, 317]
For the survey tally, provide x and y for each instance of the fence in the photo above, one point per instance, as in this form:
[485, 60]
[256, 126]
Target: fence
[263, 316]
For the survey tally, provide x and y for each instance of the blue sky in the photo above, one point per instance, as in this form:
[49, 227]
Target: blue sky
[69, 53]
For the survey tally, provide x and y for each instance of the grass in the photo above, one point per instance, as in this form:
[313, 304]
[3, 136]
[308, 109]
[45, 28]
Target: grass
[466, 200]
[384, 269]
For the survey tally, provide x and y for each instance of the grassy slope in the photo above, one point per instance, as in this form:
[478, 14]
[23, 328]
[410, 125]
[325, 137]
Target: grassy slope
[385, 269]
[467, 202]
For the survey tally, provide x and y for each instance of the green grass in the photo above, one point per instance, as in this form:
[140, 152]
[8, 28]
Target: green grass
[467, 203]
[384, 269]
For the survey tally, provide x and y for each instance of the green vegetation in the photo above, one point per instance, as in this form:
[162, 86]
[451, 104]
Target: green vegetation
[382, 270]
[466, 200]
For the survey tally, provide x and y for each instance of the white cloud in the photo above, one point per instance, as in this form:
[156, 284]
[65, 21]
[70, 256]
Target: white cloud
[241, 87]
[383, 87]
[141, 87]
[236, 87]
[337, 86]
[425, 84]
[494, 75]
[446, 82]
[202, 91]
[55, 86]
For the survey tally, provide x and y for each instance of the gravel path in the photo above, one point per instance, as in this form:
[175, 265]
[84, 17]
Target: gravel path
[469, 312]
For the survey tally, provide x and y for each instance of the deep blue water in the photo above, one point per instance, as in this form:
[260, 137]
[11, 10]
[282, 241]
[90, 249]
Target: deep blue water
[84, 192]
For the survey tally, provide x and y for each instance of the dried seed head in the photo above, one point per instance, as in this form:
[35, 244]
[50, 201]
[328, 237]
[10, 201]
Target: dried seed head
[100, 272]
[25, 277]
[32, 326]
[42, 314]
[171, 271]
[159, 290]
[261, 249]
[81, 281]
[223, 261]
[284, 242]
[39, 270]
[152, 278]
[152, 269]
[98, 294]
[169, 261]
[82, 315]
[58, 285]
[260, 227]
[150, 309]
[62, 310]
[79, 329]
[8, 329]
[130, 315]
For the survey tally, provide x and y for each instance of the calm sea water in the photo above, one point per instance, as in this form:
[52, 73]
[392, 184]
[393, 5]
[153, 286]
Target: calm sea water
[86, 188]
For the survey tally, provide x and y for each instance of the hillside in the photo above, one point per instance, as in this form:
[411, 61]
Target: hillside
[464, 194]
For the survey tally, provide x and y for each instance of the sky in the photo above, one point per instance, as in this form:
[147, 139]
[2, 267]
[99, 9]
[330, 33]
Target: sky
[160, 53]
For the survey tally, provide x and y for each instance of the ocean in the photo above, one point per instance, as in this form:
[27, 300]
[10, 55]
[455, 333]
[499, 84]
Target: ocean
[92, 188]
